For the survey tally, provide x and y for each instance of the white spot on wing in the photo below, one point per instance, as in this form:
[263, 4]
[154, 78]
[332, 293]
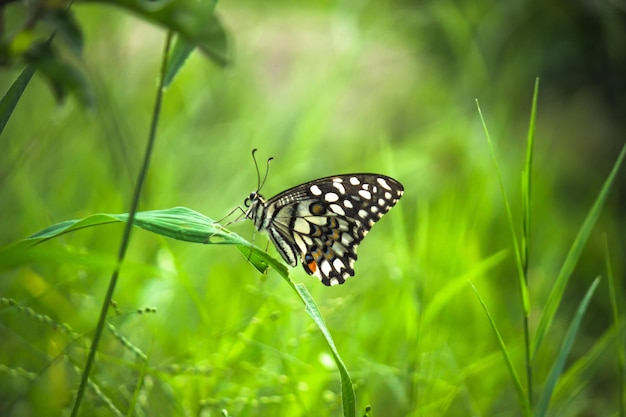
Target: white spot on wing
[340, 187]
[330, 197]
[365, 194]
[347, 203]
[336, 208]
[354, 181]
[315, 190]
[388, 195]
[381, 202]
[362, 214]
[338, 264]
[383, 183]
[325, 267]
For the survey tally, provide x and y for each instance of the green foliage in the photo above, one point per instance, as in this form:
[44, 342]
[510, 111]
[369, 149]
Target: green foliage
[106, 319]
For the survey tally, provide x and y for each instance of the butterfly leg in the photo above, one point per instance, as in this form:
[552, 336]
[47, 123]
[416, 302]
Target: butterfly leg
[218, 223]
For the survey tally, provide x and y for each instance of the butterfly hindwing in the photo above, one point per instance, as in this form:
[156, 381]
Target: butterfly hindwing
[322, 222]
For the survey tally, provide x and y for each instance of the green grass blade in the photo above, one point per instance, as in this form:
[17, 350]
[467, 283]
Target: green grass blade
[521, 394]
[188, 225]
[572, 380]
[178, 223]
[556, 294]
[568, 342]
[13, 95]
[180, 52]
[516, 249]
[347, 392]
[526, 229]
[619, 331]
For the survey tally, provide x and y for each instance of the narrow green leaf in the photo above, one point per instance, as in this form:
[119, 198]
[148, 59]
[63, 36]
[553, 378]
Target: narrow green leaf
[521, 394]
[527, 199]
[193, 20]
[568, 342]
[516, 249]
[347, 391]
[184, 224]
[178, 223]
[180, 52]
[13, 95]
[556, 294]
[620, 336]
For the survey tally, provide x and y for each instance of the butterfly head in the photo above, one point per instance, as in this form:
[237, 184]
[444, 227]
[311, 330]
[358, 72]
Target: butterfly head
[255, 202]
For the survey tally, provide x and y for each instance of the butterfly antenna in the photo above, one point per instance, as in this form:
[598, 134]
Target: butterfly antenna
[258, 174]
[260, 183]
[267, 170]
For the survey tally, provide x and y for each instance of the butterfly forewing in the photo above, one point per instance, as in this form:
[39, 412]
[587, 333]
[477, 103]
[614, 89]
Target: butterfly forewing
[322, 222]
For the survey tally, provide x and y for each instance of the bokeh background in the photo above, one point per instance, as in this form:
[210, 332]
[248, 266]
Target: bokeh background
[325, 88]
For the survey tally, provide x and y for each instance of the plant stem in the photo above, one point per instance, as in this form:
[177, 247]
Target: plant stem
[127, 231]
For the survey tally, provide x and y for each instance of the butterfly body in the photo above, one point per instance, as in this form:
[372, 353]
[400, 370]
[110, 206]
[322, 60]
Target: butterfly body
[320, 223]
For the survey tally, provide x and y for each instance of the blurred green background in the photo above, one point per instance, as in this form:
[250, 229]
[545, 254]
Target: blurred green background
[325, 88]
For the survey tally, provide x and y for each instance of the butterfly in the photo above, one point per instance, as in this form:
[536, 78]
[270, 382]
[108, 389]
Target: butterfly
[321, 222]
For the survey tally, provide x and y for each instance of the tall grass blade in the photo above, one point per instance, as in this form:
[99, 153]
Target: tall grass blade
[141, 179]
[188, 225]
[556, 294]
[516, 248]
[519, 389]
[12, 97]
[568, 342]
[348, 400]
[526, 206]
[620, 342]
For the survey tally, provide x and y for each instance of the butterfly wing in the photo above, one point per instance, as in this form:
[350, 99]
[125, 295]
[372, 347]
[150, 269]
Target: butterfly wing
[322, 222]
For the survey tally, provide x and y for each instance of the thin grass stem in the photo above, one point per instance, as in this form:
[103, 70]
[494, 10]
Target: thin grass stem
[127, 230]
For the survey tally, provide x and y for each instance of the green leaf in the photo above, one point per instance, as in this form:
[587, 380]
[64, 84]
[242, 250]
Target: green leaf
[13, 95]
[193, 20]
[558, 289]
[521, 394]
[184, 224]
[177, 223]
[180, 52]
[568, 342]
[348, 399]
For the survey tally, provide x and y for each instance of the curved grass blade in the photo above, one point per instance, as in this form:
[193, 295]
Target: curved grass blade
[568, 342]
[178, 223]
[525, 298]
[184, 224]
[521, 394]
[13, 95]
[348, 400]
[556, 294]
[620, 336]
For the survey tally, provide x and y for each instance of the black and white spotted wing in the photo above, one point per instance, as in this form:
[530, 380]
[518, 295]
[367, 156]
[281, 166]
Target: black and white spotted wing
[322, 222]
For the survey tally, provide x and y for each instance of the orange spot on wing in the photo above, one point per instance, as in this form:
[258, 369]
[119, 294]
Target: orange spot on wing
[312, 266]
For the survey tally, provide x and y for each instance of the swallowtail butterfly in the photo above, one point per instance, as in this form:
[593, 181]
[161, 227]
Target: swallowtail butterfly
[321, 222]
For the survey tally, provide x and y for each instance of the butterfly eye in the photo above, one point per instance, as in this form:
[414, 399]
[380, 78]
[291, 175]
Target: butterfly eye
[248, 201]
